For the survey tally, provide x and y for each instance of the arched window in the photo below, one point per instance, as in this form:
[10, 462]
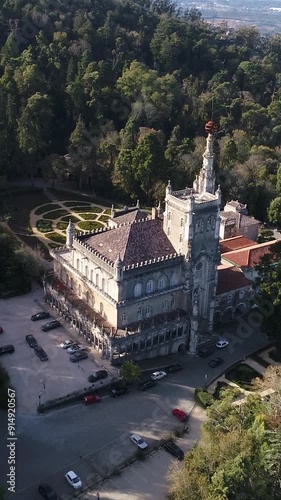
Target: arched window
[92, 275]
[149, 286]
[138, 290]
[124, 318]
[78, 265]
[102, 284]
[182, 222]
[97, 280]
[139, 314]
[86, 271]
[161, 283]
[79, 290]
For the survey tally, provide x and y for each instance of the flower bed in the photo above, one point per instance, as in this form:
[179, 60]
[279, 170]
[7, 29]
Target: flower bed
[108, 211]
[103, 218]
[96, 210]
[242, 375]
[55, 214]
[62, 225]
[43, 225]
[89, 225]
[46, 208]
[72, 217]
[56, 237]
[88, 216]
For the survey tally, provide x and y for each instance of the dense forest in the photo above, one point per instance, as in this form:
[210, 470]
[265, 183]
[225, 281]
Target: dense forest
[115, 94]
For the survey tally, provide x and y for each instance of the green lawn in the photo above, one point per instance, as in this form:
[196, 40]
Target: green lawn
[44, 225]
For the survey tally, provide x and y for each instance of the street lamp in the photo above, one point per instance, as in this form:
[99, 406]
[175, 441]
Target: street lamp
[206, 379]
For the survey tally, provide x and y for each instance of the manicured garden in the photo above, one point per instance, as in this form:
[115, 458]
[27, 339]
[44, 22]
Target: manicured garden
[242, 375]
[44, 226]
[46, 208]
[55, 214]
[89, 225]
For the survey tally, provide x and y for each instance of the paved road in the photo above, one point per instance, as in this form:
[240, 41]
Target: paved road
[92, 440]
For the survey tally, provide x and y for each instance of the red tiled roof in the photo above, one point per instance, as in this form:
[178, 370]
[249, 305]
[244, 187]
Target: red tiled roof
[136, 242]
[130, 216]
[235, 243]
[231, 279]
[250, 256]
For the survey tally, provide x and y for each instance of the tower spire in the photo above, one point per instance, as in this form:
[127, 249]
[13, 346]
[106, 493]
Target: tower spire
[205, 182]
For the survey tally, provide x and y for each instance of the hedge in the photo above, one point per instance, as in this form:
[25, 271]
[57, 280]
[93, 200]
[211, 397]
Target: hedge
[46, 208]
[55, 214]
[62, 225]
[103, 218]
[108, 211]
[56, 237]
[96, 210]
[45, 226]
[76, 203]
[89, 226]
[88, 216]
[72, 217]
[202, 397]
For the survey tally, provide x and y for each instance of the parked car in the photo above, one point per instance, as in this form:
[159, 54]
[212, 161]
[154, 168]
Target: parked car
[147, 384]
[98, 375]
[73, 480]
[47, 492]
[75, 348]
[78, 356]
[50, 326]
[67, 343]
[137, 439]
[222, 343]
[215, 362]
[173, 368]
[42, 355]
[174, 450]
[40, 315]
[31, 340]
[180, 415]
[89, 400]
[158, 375]
[205, 352]
[7, 349]
[1, 329]
[118, 391]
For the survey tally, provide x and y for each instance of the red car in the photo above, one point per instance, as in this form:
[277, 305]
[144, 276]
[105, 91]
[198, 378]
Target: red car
[89, 400]
[180, 415]
[1, 329]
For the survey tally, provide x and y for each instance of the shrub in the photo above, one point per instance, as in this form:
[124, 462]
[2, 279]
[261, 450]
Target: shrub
[56, 237]
[242, 375]
[45, 226]
[88, 216]
[89, 226]
[203, 398]
[55, 214]
[103, 218]
[76, 203]
[46, 208]
[62, 225]
[72, 217]
[96, 210]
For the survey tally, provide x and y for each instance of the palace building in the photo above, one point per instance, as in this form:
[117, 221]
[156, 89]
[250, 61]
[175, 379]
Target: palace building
[148, 286]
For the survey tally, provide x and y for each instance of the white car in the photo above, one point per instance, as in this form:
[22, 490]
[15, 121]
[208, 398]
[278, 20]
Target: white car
[73, 480]
[136, 439]
[75, 348]
[222, 343]
[67, 343]
[158, 375]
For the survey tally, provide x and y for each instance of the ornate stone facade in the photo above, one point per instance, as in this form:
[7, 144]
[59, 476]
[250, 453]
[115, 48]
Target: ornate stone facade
[145, 287]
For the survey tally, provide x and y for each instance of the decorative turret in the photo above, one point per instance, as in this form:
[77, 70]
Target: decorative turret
[112, 212]
[169, 188]
[70, 233]
[118, 267]
[205, 182]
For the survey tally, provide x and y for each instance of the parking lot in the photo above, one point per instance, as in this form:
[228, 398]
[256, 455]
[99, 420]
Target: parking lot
[32, 378]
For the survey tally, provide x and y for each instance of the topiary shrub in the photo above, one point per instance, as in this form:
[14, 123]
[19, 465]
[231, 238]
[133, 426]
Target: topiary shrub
[44, 225]
[89, 226]
[56, 237]
[62, 225]
[88, 216]
[72, 217]
[202, 397]
[55, 214]
[46, 208]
